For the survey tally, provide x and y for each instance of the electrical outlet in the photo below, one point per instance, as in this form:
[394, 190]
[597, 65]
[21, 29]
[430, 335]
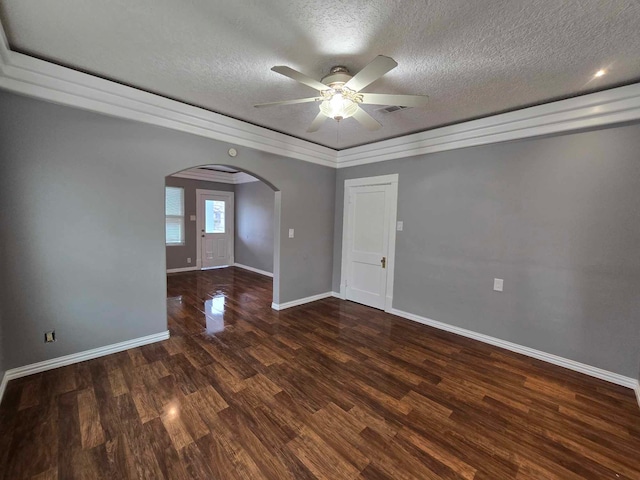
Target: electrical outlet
[291, 233]
[498, 284]
[400, 226]
[50, 337]
[188, 259]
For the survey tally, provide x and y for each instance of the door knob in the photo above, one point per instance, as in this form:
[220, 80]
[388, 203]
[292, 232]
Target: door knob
[384, 262]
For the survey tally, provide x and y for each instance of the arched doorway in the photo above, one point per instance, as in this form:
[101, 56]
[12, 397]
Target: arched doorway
[217, 216]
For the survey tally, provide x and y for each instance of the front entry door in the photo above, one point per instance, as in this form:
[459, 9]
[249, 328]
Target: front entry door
[368, 244]
[216, 229]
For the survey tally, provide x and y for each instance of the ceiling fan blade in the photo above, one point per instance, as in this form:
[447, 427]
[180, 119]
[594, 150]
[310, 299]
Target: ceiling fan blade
[300, 77]
[400, 100]
[289, 102]
[317, 123]
[371, 72]
[366, 120]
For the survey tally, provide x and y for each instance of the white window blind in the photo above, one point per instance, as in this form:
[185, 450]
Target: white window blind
[174, 215]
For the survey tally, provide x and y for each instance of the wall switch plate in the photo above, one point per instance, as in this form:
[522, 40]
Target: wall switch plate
[399, 226]
[192, 218]
[188, 259]
[291, 233]
[50, 337]
[498, 284]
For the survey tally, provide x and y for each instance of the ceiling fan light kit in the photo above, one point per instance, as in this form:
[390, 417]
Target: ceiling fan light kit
[339, 101]
[338, 107]
[340, 95]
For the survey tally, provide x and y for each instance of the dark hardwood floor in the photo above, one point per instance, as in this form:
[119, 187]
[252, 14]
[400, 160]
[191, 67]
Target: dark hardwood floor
[329, 390]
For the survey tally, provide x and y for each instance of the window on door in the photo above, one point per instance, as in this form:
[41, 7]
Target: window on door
[174, 215]
[214, 216]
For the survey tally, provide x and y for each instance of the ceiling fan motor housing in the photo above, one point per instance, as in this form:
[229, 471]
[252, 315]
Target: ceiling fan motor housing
[337, 77]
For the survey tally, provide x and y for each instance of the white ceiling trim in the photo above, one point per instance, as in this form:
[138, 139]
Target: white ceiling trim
[242, 177]
[598, 109]
[219, 177]
[41, 79]
[45, 80]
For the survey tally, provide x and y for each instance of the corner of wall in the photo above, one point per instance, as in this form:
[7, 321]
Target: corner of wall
[3, 380]
[637, 389]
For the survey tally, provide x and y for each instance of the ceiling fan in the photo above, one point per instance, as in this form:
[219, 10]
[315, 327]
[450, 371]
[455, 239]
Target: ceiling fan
[341, 96]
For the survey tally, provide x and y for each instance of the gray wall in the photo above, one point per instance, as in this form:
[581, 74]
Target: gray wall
[82, 224]
[557, 218]
[254, 225]
[177, 255]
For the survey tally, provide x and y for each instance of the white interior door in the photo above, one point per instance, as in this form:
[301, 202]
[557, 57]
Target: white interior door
[215, 222]
[368, 224]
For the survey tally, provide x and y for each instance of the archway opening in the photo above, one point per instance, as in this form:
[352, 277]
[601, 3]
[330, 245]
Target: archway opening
[223, 218]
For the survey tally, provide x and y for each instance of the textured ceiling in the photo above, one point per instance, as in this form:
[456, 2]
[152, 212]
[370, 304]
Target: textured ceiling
[474, 58]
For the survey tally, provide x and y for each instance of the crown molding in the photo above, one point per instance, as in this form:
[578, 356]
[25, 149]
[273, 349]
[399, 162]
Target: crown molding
[607, 107]
[242, 177]
[4, 48]
[47, 81]
[219, 177]
[44, 80]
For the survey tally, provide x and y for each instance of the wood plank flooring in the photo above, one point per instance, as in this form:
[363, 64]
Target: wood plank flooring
[329, 390]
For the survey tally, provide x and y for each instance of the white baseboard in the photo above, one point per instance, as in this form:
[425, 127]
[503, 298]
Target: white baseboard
[337, 295]
[301, 301]
[637, 389]
[530, 352]
[254, 270]
[184, 269]
[79, 357]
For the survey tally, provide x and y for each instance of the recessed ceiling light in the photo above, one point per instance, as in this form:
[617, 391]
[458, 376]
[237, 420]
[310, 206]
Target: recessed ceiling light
[600, 73]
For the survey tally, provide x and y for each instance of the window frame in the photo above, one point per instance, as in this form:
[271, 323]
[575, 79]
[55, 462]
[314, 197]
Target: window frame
[179, 217]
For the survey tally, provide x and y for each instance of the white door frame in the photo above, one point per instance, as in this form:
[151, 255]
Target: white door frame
[391, 257]
[200, 225]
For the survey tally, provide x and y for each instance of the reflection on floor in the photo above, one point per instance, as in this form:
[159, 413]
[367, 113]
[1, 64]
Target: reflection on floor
[328, 390]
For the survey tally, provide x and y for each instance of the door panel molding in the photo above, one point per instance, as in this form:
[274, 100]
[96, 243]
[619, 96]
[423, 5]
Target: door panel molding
[392, 181]
[200, 222]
